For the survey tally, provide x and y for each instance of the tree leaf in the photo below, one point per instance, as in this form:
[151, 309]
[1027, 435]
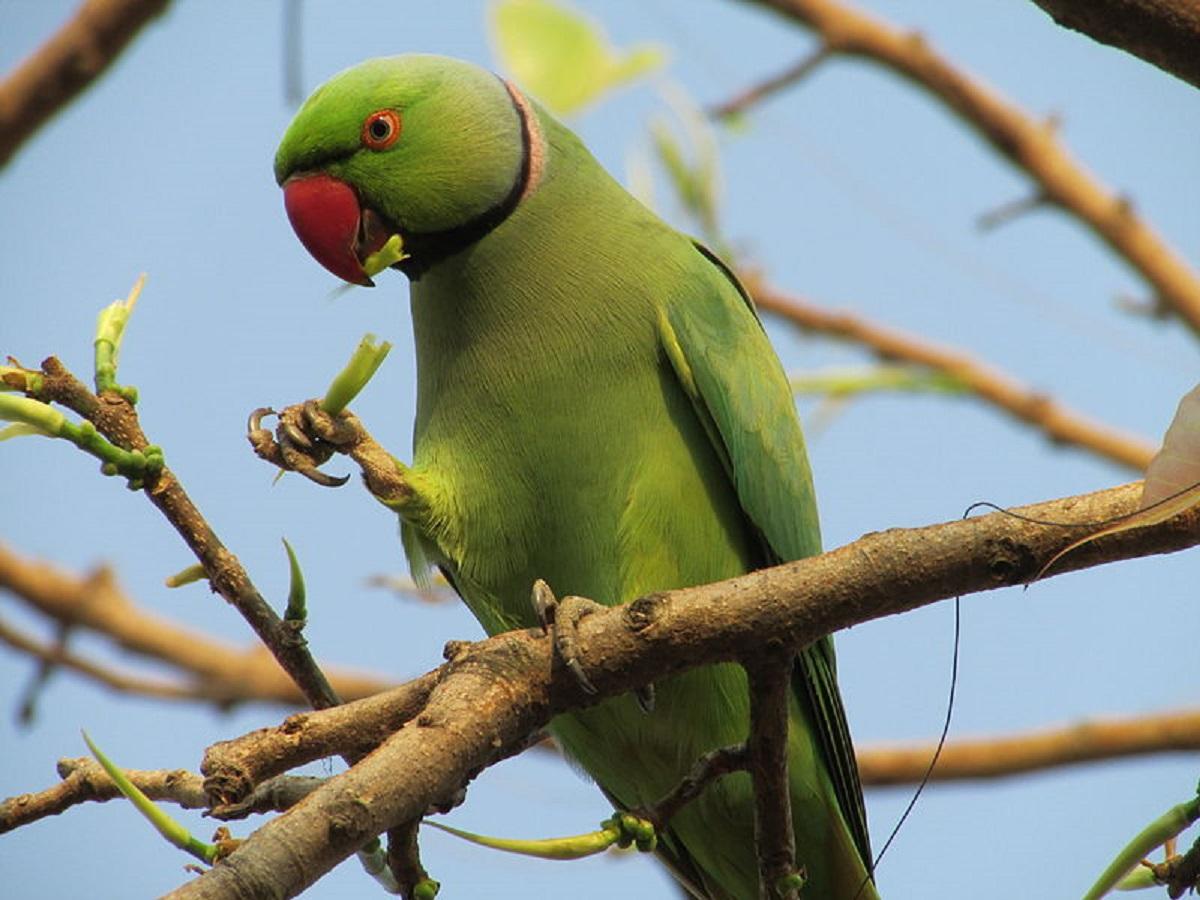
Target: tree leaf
[562, 57]
[1176, 467]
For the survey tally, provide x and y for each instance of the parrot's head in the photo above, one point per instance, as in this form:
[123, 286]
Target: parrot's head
[431, 149]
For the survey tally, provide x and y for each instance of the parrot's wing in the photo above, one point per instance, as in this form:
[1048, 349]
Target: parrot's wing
[725, 364]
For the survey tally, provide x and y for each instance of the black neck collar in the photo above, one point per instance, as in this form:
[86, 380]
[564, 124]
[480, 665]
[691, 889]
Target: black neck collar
[428, 248]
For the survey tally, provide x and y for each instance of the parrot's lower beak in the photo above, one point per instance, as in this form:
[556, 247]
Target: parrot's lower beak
[327, 217]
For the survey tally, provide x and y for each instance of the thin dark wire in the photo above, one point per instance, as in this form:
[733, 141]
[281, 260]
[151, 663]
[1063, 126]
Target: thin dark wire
[941, 738]
[957, 638]
[1112, 520]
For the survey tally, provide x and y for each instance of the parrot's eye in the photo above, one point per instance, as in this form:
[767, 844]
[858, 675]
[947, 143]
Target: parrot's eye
[381, 129]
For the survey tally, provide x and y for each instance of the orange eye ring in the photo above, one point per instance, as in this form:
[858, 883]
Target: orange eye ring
[381, 129]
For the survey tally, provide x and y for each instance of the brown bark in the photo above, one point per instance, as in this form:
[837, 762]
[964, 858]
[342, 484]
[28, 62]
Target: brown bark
[1165, 33]
[66, 64]
[492, 696]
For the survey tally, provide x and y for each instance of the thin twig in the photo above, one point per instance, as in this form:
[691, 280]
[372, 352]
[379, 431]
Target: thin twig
[234, 768]
[1060, 424]
[708, 768]
[766, 752]
[57, 655]
[404, 856]
[1027, 143]
[116, 419]
[1019, 754]
[221, 673]
[84, 781]
[66, 64]
[750, 96]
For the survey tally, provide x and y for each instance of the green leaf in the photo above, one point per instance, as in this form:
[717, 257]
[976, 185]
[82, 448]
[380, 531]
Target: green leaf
[574, 847]
[562, 57]
[622, 830]
[851, 380]
[163, 823]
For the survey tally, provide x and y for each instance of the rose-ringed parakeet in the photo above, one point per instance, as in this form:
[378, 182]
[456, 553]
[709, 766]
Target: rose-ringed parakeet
[599, 407]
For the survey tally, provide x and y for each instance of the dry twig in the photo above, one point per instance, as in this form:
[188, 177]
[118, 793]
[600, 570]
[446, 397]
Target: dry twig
[66, 64]
[1060, 424]
[766, 756]
[213, 670]
[1028, 144]
[1019, 754]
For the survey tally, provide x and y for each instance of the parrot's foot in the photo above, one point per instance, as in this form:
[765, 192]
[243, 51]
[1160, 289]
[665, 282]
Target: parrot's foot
[305, 438]
[560, 619]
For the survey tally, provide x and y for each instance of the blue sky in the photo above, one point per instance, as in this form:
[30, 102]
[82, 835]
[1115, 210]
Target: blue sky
[852, 189]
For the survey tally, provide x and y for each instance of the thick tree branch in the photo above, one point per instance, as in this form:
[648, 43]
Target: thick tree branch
[999, 757]
[1060, 424]
[492, 696]
[1165, 33]
[66, 64]
[217, 671]
[1028, 144]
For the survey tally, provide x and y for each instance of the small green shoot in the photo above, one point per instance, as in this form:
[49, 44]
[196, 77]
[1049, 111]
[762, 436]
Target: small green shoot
[1157, 833]
[388, 255]
[367, 358]
[622, 830]
[190, 575]
[374, 862]
[296, 612]
[163, 823]
[110, 330]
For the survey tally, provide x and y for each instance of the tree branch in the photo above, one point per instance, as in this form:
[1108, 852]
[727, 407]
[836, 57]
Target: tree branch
[1060, 424]
[490, 697]
[66, 64]
[56, 655]
[117, 420]
[234, 768]
[1000, 757]
[766, 755]
[1164, 33]
[84, 781]
[218, 672]
[1028, 144]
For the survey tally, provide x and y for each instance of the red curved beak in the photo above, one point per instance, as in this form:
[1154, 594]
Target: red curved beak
[331, 224]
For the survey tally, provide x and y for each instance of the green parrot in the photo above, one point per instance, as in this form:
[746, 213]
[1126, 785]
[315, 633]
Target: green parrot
[599, 407]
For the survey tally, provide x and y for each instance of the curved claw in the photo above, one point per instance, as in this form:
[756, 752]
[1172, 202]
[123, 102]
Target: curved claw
[318, 477]
[254, 423]
[294, 436]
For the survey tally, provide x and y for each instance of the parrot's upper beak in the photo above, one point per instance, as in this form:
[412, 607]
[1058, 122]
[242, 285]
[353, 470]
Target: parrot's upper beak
[327, 217]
